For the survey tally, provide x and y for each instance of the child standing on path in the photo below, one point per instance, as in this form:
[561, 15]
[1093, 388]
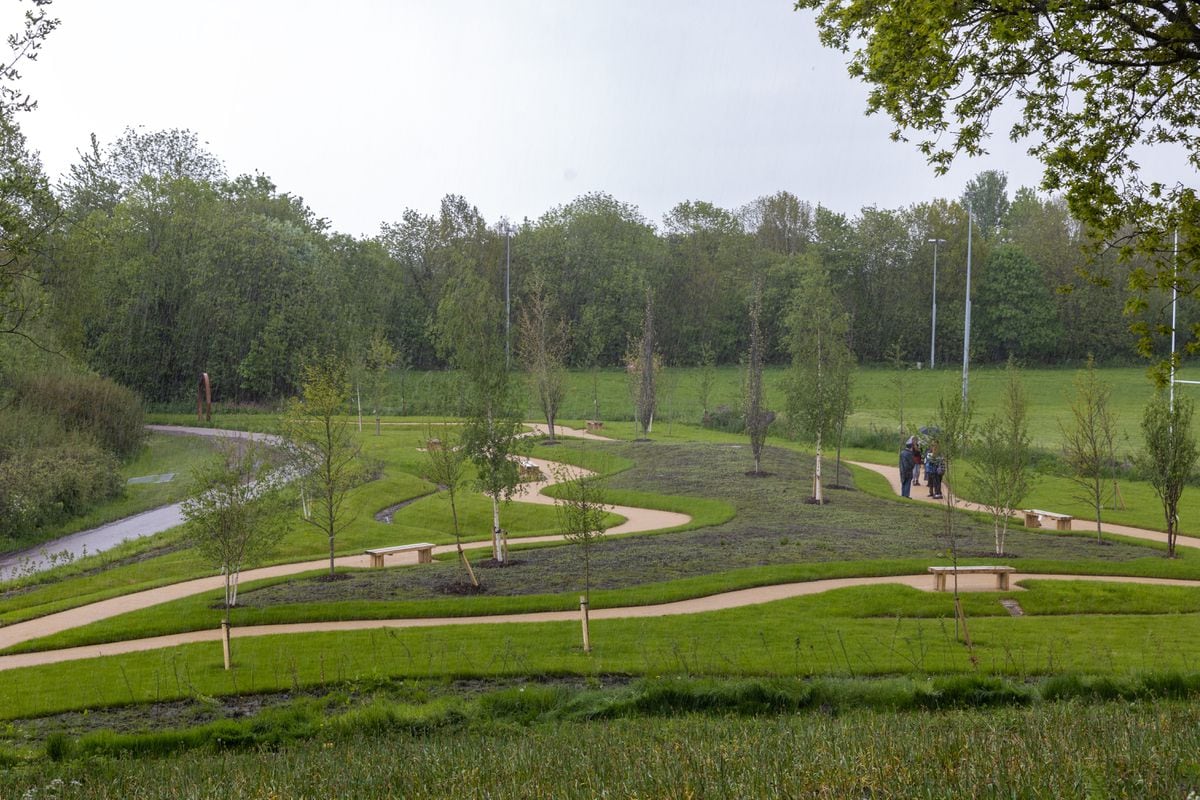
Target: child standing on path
[935, 468]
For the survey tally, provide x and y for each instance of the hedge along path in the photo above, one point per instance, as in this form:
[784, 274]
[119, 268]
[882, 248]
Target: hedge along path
[637, 520]
[1082, 525]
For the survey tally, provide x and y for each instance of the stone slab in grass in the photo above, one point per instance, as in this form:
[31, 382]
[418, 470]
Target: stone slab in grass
[166, 477]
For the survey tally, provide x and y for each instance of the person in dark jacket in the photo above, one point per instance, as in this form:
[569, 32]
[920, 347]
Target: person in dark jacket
[907, 461]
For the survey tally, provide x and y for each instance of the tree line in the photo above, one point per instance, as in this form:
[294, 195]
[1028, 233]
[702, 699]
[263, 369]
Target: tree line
[158, 266]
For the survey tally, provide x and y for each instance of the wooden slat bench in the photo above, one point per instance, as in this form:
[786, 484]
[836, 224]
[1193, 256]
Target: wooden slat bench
[424, 552]
[1001, 573]
[1033, 519]
[529, 470]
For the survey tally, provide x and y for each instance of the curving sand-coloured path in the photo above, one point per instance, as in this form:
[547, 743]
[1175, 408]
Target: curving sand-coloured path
[918, 494]
[637, 520]
[532, 493]
[716, 602]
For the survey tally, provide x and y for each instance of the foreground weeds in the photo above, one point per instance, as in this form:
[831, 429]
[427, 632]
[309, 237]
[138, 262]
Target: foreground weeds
[669, 737]
[1062, 750]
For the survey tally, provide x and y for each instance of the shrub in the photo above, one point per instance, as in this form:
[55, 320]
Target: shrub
[59, 746]
[87, 404]
[523, 703]
[724, 418]
[46, 485]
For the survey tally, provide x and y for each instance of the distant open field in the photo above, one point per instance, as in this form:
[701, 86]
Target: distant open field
[881, 396]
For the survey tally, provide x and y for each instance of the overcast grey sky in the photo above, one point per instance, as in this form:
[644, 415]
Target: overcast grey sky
[368, 108]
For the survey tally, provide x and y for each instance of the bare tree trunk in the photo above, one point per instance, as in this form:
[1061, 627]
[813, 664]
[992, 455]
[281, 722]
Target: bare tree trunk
[225, 627]
[497, 548]
[458, 543]
[818, 493]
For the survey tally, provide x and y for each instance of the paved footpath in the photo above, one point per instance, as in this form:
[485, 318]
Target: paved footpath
[893, 476]
[636, 520]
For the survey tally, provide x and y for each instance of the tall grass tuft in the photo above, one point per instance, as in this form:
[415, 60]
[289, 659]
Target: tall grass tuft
[100, 408]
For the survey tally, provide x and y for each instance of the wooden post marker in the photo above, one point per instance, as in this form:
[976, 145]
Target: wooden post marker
[225, 641]
[583, 617]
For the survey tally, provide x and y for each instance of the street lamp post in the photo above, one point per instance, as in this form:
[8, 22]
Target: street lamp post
[506, 228]
[967, 314]
[933, 316]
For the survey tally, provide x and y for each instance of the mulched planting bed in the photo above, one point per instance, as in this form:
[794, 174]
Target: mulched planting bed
[773, 525]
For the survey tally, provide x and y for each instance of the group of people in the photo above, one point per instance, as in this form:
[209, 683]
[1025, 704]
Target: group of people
[912, 459]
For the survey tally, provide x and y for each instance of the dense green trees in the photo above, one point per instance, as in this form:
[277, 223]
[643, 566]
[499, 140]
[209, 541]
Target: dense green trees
[1096, 85]
[1016, 315]
[161, 266]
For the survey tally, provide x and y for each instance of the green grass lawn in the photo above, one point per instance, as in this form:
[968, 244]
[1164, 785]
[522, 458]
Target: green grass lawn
[746, 532]
[877, 396]
[671, 738]
[756, 531]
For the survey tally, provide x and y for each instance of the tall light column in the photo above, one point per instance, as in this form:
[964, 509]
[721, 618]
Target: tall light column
[507, 229]
[967, 317]
[933, 316]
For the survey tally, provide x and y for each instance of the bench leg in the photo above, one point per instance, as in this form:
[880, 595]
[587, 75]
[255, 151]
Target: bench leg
[1002, 581]
[376, 560]
[1031, 521]
[939, 582]
[425, 556]
[1064, 524]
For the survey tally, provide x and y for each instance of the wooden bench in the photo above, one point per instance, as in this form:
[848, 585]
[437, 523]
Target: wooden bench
[529, 470]
[424, 552]
[1001, 573]
[594, 425]
[1033, 519]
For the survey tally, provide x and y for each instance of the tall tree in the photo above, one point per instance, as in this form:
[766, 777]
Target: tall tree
[325, 455]
[1089, 439]
[27, 206]
[1170, 455]
[817, 327]
[28, 210]
[234, 515]
[1016, 316]
[596, 252]
[758, 418]
[447, 462]
[582, 514]
[1097, 84]
[1000, 465]
[1088, 303]
[137, 162]
[380, 358]
[25, 46]
[643, 368]
[987, 196]
[542, 343]
[700, 283]
[780, 222]
[955, 432]
[470, 335]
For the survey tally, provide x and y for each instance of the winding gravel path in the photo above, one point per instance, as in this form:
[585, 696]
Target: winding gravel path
[1083, 525]
[636, 520]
